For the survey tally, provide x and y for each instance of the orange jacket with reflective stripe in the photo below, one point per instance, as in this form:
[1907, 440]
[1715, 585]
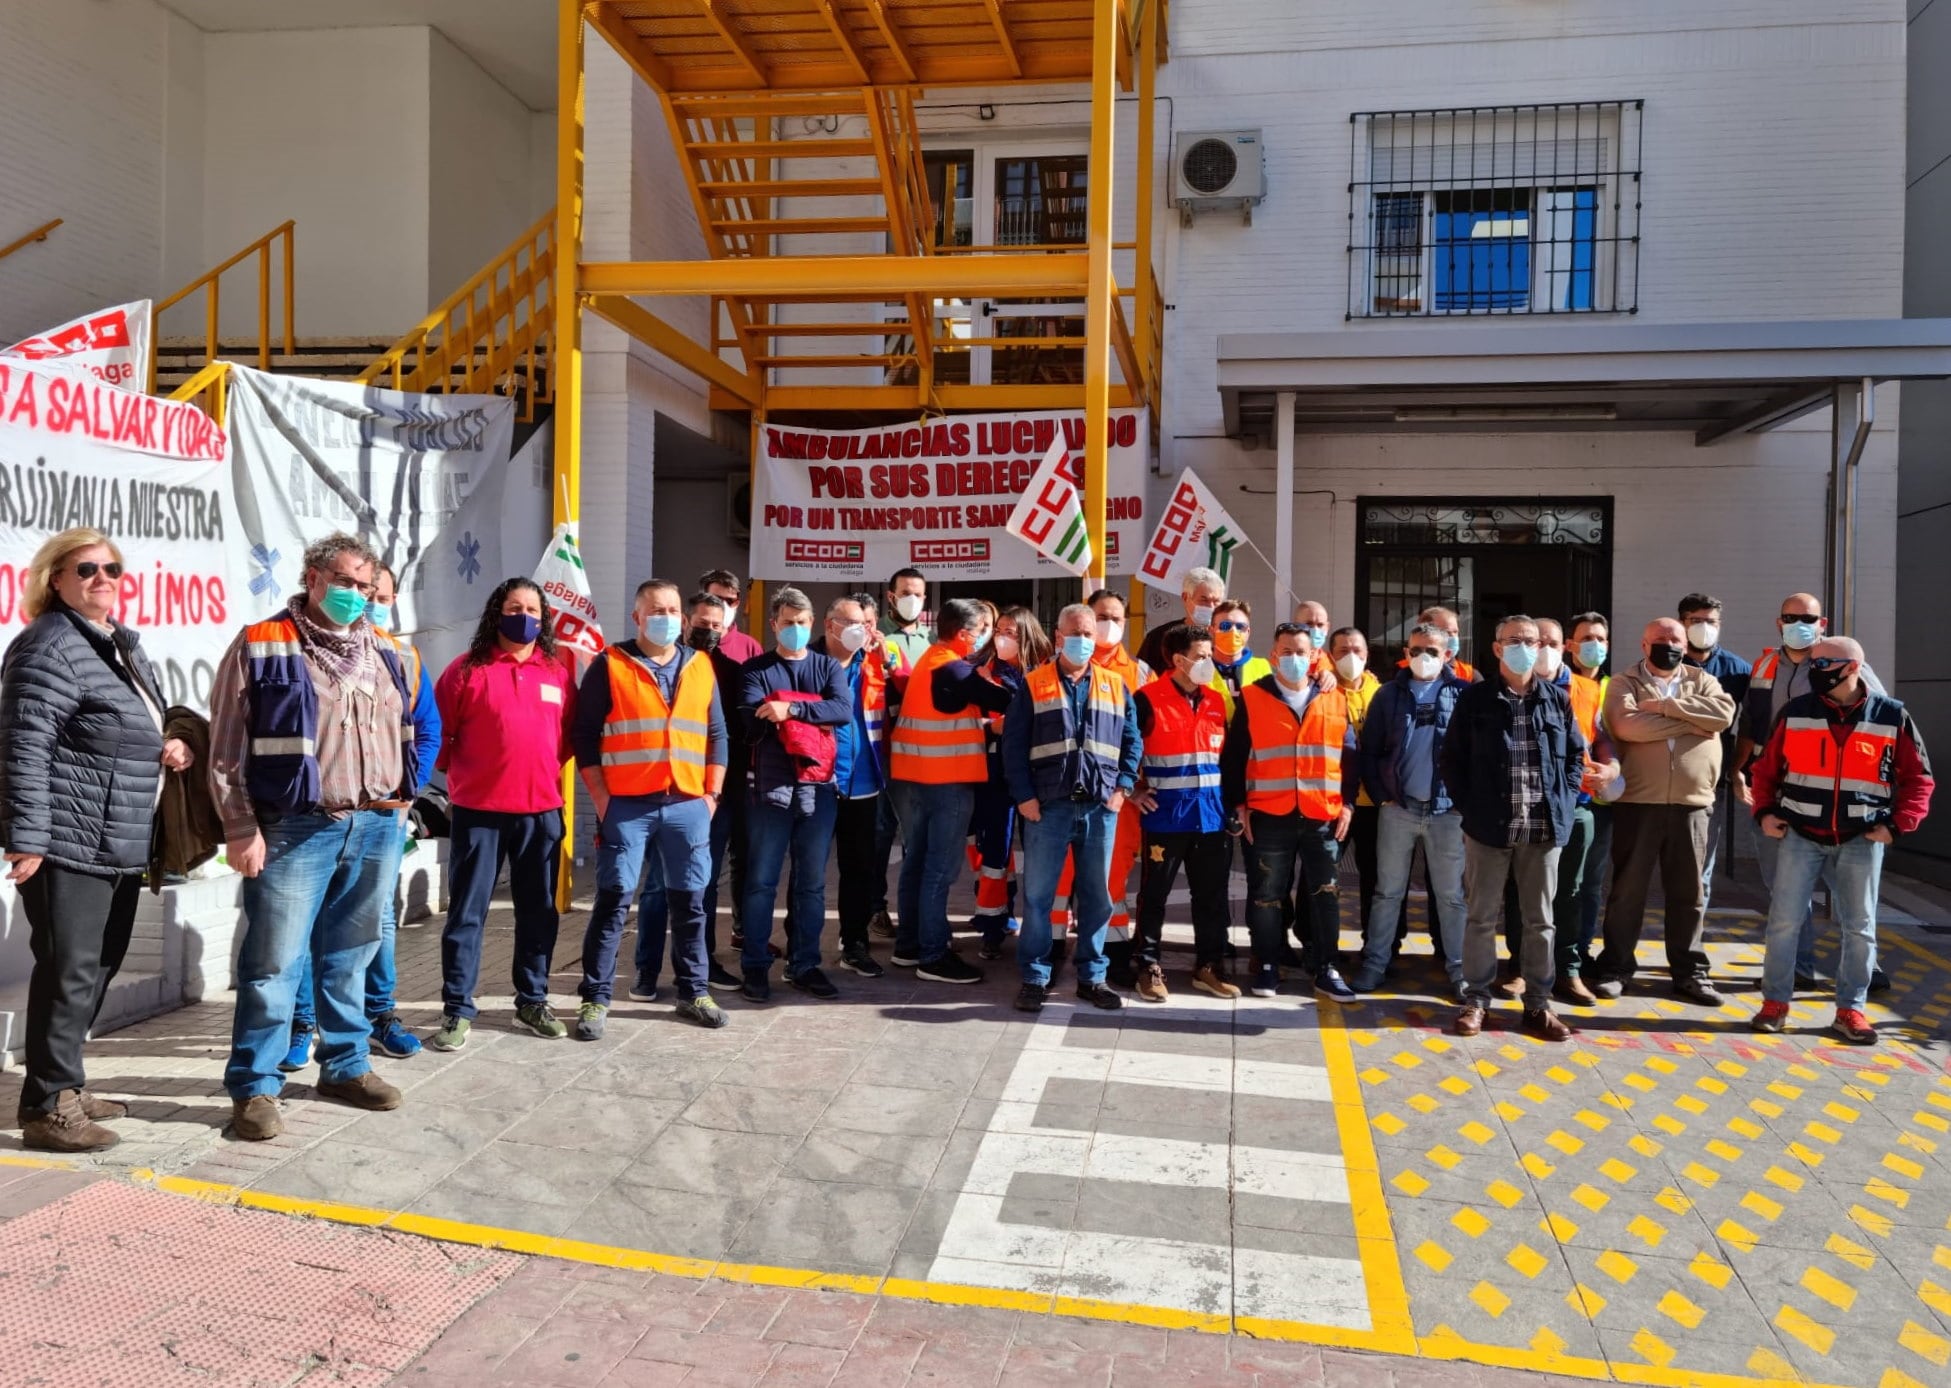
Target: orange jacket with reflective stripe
[1838, 792]
[1119, 662]
[1294, 764]
[932, 747]
[648, 746]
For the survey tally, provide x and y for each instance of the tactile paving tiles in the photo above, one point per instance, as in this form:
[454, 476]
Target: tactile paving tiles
[1670, 1190]
[118, 1287]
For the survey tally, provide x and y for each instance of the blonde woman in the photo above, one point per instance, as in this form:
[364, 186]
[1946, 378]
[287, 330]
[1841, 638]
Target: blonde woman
[81, 760]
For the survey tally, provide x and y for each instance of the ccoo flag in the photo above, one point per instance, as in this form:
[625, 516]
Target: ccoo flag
[1195, 531]
[1050, 517]
[563, 579]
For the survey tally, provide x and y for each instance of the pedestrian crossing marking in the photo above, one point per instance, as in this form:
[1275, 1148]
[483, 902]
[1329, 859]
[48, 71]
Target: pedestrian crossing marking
[1676, 1307]
[1801, 1327]
[1923, 1343]
[1821, 1285]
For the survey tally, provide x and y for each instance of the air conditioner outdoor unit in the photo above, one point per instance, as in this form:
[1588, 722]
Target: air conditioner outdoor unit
[1218, 171]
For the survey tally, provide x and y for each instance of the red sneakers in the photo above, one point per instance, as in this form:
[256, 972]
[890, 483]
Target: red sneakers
[1853, 1027]
[1772, 1017]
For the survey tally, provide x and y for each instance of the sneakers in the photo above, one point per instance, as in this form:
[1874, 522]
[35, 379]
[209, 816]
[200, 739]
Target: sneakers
[756, 987]
[862, 963]
[1029, 998]
[704, 1011]
[300, 1054]
[1098, 995]
[256, 1119]
[1365, 981]
[949, 969]
[1773, 1017]
[718, 977]
[1698, 990]
[452, 1034]
[1266, 982]
[366, 1090]
[880, 924]
[1543, 1024]
[1207, 979]
[1853, 1027]
[903, 960]
[65, 1128]
[390, 1037]
[1609, 988]
[643, 990]
[590, 1018]
[815, 982]
[1330, 984]
[1151, 984]
[540, 1018]
[1469, 1019]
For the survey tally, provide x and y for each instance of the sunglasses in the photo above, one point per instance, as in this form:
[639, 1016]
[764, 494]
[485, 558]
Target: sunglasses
[88, 568]
[1426, 650]
[1233, 626]
[1800, 617]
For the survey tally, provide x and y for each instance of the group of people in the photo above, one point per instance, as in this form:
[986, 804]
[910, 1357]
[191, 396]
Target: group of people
[1052, 762]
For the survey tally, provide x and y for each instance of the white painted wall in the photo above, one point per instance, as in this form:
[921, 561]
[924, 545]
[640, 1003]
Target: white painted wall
[479, 186]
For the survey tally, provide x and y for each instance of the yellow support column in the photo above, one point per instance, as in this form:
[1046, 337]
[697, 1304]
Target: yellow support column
[1148, 22]
[567, 306]
[1100, 290]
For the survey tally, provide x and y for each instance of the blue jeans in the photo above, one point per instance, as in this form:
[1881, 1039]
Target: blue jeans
[805, 830]
[482, 840]
[1592, 881]
[381, 975]
[1085, 828]
[319, 893]
[679, 828]
[934, 839]
[654, 907]
[1854, 871]
[1805, 938]
[1397, 833]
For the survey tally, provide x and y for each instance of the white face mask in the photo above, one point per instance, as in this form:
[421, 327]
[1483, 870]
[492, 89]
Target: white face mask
[1703, 636]
[1110, 633]
[1550, 659]
[1425, 667]
[1350, 666]
[853, 636]
[1202, 615]
[908, 606]
[1202, 671]
[1006, 648]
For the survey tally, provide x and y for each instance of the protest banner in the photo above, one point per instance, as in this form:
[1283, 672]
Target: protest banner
[1194, 532]
[150, 474]
[312, 457]
[838, 505]
[111, 345]
[1050, 517]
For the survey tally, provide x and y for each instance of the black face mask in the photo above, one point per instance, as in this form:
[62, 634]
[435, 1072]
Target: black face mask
[1825, 681]
[703, 639]
[1665, 659]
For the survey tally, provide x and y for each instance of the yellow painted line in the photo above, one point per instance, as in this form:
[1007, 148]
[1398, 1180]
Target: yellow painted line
[39, 1163]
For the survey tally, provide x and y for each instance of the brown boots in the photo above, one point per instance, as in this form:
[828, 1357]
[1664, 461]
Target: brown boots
[70, 1125]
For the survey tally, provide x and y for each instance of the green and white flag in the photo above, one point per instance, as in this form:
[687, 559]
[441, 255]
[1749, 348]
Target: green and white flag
[1195, 532]
[572, 609]
[1050, 517]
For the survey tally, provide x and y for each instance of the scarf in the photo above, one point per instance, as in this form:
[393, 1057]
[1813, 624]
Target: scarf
[347, 656]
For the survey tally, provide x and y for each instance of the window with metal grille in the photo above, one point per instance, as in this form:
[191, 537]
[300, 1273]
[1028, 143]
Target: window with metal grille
[1495, 210]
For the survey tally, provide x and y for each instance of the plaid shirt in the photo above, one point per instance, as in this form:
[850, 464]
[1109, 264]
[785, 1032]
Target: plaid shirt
[1530, 820]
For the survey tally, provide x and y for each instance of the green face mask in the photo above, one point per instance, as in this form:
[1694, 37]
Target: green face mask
[343, 606]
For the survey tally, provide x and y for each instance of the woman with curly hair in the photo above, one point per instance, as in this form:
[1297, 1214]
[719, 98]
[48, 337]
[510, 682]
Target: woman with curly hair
[505, 712]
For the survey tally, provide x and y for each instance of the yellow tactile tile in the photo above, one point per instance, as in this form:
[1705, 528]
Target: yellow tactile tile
[1820, 1284]
[1802, 1328]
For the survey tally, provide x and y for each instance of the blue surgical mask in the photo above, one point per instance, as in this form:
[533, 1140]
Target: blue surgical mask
[380, 614]
[663, 628]
[1592, 654]
[1799, 636]
[1455, 644]
[1319, 635]
[794, 638]
[1519, 660]
[1078, 649]
[1293, 668]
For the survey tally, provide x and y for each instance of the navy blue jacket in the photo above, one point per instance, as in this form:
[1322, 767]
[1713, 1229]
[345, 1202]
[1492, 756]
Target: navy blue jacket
[1477, 758]
[774, 776]
[1385, 737]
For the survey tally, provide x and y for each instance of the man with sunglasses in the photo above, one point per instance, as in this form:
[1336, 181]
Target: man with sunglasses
[1780, 675]
[1843, 773]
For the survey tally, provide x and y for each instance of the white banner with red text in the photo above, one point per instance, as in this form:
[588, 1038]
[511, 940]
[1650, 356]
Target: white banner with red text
[111, 345]
[839, 505]
[153, 476]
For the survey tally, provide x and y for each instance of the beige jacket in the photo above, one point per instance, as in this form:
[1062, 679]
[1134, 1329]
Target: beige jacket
[1643, 725]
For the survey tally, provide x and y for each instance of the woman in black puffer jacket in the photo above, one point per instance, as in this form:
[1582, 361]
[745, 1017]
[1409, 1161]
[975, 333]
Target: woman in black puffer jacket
[81, 758]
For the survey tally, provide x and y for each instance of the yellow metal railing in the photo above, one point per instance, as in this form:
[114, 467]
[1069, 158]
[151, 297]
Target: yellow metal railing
[39, 233]
[209, 390]
[210, 282]
[492, 334]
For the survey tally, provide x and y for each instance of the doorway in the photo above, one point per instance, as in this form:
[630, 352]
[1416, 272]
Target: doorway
[1484, 558]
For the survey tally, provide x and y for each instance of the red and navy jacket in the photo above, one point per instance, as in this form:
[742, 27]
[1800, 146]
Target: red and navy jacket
[282, 770]
[1835, 773]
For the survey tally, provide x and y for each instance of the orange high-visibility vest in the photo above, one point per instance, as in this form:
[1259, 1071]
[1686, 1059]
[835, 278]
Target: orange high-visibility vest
[1839, 790]
[649, 746]
[1119, 662]
[1588, 698]
[873, 696]
[1295, 764]
[932, 747]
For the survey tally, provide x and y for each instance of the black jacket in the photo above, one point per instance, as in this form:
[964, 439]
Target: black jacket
[80, 755]
[1477, 758]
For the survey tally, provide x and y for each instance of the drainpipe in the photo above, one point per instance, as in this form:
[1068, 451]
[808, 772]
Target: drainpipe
[1283, 500]
[1865, 417]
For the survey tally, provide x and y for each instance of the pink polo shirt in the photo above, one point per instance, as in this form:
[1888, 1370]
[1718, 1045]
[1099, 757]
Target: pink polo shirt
[505, 732]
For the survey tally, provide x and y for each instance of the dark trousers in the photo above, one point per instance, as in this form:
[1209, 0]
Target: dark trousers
[1281, 845]
[1672, 841]
[1362, 834]
[887, 828]
[78, 930]
[863, 872]
[531, 846]
[1207, 859]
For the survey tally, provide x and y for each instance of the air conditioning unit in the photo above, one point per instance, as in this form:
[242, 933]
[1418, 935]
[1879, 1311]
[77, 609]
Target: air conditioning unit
[1218, 171]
